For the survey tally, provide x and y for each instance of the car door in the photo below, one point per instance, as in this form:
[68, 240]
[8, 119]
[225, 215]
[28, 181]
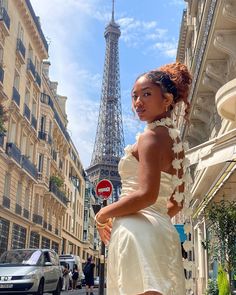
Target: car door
[56, 270]
[48, 273]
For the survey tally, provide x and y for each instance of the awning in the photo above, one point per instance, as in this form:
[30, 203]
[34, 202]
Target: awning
[180, 230]
[214, 151]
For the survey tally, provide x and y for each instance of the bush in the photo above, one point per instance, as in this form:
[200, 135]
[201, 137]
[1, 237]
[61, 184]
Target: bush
[212, 288]
[223, 283]
[57, 181]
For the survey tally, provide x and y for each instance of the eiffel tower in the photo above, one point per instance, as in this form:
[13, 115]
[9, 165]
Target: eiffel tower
[109, 142]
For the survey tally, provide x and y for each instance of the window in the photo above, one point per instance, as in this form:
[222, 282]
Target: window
[12, 136]
[43, 123]
[34, 240]
[40, 163]
[27, 199]
[27, 97]
[4, 233]
[16, 83]
[4, 3]
[20, 32]
[7, 185]
[48, 166]
[31, 53]
[18, 237]
[19, 193]
[23, 144]
[34, 108]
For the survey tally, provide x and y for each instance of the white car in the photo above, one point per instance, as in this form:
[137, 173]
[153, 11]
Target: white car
[27, 271]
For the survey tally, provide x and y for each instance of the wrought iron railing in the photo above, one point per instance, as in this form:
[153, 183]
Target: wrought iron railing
[34, 122]
[37, 219]
[29, 167]
[26, 213]
[37, 78]
[44, 98]
[13, 151]
[31, 67]
[16, 96]
[1, 74]
[20, 47]
[58, 193]
[42, 135]
[5, 17]
[18, 209]
[2, 139]
[26, 111]
[6, 202]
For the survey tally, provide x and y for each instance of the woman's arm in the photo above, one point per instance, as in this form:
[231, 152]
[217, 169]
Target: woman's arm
[151, 152]
[173, 207]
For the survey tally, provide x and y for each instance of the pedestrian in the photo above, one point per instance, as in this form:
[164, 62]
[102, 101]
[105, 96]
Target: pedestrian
[66, 276]
[75, 276]
[89, 275]
[144, 252]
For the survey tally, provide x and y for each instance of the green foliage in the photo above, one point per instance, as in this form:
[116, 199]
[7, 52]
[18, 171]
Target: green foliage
[222, 217]
[223, 283]
[57, 181]
[212, 288]
[2, 119]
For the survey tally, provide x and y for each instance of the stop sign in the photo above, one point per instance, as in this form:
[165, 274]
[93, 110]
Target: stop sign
[104, 189]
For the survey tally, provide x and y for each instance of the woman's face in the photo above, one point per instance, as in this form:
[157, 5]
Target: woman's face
[147, 100]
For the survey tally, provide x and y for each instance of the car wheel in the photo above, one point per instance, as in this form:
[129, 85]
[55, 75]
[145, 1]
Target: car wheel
[58, 289]
[40, 288]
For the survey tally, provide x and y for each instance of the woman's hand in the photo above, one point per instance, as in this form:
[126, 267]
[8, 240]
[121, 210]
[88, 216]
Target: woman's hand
[105, 233]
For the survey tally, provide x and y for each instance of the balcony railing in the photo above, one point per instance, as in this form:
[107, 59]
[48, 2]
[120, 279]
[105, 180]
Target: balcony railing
[58, 193]
[49, 227]
[34, 122]
[1, 74]
[13, 151]
[44, 98]
[62, 127]
[26, 213]
[31, 67]
[26, 111]
[2, 139]
[42, 135]
[6, 202]
[29, 167]
[49, 139]
[37, 219]
[37, 79]
[18, 209]
[16, 96]
[5, 17]
[20, 47]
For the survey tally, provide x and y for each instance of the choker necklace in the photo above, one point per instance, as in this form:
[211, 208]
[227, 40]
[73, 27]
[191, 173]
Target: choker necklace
[162, 122]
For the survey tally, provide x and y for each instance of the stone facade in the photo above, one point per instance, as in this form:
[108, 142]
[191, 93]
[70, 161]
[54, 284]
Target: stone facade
[42, 181]
[207, 46]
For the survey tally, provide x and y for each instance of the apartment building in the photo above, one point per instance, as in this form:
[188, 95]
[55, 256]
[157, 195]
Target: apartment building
[207, 46]
[42, 181]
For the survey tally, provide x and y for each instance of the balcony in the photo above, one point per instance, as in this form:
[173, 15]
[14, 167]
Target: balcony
[26, 213]
[42, 135]
[26, 112]
[28, 166]
[49, 227]
[16, 96]
[58, 193]
[1, 75]
[33, 122]
[226, 101]
[5, 21]
[18, 209]
[49, 139]
[2, 139]
[6, 202]
[46, 99]
[31, 69]
[20, 50]
[13, 152]
[62, 127]
[37, 79]
[37, 219]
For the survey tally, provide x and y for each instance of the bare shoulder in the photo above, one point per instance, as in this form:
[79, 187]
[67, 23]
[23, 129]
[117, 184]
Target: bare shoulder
[155, 138]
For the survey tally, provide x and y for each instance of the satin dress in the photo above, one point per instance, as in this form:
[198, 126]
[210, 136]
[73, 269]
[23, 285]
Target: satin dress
[144, 253]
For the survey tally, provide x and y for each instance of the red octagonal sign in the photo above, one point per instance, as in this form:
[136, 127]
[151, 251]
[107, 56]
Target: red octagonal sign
[104, 189]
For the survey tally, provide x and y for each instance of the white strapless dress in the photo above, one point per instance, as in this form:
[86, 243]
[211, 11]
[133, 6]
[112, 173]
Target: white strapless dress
[144, 252]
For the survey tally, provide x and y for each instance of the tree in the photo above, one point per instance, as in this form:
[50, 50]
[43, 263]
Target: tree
[222, 217]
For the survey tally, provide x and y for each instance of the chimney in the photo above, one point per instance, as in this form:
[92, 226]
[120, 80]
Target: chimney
[46, 65]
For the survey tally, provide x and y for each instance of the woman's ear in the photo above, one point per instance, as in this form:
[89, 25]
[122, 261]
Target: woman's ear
[168, 99]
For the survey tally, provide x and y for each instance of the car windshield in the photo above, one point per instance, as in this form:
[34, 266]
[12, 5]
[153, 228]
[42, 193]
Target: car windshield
[20, 257]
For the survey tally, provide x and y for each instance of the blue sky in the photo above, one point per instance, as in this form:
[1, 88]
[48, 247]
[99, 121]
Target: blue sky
[75, 32]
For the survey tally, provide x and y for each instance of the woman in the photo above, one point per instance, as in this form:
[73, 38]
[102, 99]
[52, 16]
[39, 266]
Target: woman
[66, 276]
[144, 255]
[89, 275]
[75, 276]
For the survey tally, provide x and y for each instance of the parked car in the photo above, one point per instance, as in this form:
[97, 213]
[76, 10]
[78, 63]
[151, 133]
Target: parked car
[27, 271]
[72, 260]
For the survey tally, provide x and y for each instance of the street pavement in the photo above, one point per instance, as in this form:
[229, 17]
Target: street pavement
[80, 292]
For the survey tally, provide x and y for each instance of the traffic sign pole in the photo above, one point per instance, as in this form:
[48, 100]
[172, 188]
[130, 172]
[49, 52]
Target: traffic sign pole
[103, 190]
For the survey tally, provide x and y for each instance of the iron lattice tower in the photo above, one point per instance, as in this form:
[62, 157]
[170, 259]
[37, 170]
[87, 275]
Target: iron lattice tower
[109, 142]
